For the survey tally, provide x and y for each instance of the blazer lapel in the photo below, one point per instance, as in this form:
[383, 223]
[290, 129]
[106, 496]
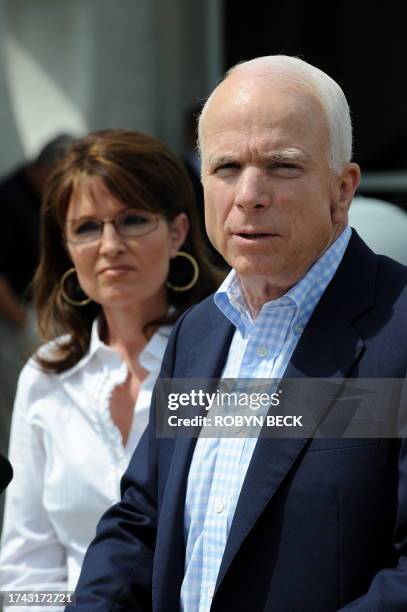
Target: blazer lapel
[206, 360]
[329, 348]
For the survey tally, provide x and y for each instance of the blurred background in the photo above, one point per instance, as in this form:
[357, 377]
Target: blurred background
[79, 65]
[362, 45]
[72, 66]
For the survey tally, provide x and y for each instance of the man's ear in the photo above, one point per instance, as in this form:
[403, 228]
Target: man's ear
[347, 182]
[179, 228]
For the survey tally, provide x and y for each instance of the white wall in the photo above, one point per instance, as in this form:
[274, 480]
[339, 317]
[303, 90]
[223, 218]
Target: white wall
[79, 65]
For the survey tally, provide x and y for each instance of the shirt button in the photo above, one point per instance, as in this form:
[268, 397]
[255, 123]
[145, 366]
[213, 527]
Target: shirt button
[219, 507]
[262, 351]
[211, 591]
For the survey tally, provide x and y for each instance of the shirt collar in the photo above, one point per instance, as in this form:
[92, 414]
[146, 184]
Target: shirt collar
[303, 296]
[150, 357]
[96, 346]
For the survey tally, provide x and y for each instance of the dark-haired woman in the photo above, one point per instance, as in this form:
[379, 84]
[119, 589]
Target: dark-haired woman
[121, 260]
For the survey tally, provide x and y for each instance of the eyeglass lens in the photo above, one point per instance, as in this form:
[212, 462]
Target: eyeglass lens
[128, 224]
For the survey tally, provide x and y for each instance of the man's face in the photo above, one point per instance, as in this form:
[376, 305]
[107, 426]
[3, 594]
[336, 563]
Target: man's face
[272, 203]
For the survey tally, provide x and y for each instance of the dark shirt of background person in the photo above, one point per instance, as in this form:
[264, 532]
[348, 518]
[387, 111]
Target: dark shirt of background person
[20, 202]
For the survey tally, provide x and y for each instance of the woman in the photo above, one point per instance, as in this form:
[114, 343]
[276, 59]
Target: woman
[111, 281]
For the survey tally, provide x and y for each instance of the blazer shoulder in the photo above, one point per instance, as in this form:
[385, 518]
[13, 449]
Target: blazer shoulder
[202, 316]
[391, 270]
[200, 322]
[391, 285]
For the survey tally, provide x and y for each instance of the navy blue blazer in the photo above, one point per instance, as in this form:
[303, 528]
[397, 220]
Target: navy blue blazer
[321, 524]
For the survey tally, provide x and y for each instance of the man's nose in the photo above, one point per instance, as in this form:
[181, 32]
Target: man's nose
[253, 189]
[110, 240]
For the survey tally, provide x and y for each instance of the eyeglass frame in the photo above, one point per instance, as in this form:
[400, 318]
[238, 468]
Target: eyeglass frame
[112, 220]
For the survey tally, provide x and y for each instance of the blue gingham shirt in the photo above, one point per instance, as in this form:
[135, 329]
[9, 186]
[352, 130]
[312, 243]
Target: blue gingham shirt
[260, 348]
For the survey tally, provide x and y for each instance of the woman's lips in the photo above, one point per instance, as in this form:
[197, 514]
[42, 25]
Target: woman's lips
[115, 270]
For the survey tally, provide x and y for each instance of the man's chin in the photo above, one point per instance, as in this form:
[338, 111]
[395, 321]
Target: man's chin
[252, 265]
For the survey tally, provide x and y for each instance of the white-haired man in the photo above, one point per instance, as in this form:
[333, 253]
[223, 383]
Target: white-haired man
[246, 523]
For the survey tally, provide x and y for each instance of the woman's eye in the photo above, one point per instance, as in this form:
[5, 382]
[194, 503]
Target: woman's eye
[132, 219]
[87, 227]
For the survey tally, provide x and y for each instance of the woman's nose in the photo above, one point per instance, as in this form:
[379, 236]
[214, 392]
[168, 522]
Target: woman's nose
[110, 239]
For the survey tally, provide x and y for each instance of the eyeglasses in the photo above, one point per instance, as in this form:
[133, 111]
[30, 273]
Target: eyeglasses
[128, 224]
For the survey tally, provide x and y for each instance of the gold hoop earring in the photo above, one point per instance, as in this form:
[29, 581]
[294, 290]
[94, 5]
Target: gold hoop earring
[195, 273]
[64, 293]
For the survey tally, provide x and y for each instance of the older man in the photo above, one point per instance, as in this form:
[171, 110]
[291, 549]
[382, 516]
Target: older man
[271, 524]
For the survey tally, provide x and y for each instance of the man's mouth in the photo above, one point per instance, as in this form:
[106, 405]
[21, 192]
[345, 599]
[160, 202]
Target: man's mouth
[253, 235]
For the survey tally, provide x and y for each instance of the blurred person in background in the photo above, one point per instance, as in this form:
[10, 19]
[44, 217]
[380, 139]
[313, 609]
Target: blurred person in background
[121, 260]
[20, 202]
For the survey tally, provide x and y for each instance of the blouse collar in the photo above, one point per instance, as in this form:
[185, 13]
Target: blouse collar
[150, 357]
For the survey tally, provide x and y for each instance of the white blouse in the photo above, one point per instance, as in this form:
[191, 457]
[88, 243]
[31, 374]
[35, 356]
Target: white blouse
[68, 459]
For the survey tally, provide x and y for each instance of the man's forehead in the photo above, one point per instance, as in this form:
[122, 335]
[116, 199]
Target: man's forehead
[259, 103]
[261, 94]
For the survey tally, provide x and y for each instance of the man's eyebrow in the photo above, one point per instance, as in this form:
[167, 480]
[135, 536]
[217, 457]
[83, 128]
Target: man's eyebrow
[287, 155]
[220, 160]
[282, 156]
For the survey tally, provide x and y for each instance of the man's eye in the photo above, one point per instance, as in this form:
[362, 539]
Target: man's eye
[285, 168]
[226, 168]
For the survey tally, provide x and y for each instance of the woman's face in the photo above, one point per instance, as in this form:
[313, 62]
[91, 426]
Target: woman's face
[120, 271]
